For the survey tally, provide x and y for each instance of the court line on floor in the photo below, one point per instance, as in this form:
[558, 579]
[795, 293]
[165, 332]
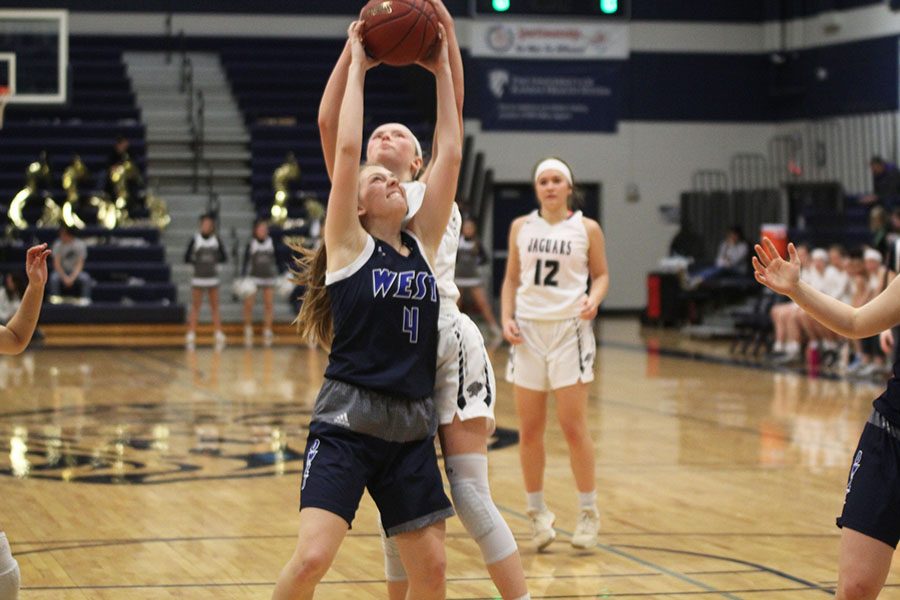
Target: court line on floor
[739, 561]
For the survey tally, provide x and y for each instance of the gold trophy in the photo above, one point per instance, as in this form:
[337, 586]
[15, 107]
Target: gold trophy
[281, 182]
[75, 174]
[37, 179]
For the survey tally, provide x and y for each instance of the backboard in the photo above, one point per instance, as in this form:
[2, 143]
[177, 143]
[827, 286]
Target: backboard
[34, 55]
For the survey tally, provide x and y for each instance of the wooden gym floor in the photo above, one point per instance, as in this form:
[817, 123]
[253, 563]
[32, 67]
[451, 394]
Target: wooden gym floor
[146, 473]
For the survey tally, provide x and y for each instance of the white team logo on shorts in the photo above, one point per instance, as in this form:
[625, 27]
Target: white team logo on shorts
[857, 461]
[310, 456]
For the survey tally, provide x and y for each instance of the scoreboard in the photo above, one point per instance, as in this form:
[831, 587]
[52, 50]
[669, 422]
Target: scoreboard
[603, 9]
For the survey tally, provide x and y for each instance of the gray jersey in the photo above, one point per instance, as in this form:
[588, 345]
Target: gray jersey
[259, 259]
[205, 254]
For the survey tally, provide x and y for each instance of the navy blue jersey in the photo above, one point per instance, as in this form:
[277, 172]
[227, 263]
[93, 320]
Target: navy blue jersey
[888, 404]
[385, 311]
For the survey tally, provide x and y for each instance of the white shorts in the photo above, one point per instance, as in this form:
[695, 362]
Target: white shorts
[555, 354]
[464, 384]
[264, 282]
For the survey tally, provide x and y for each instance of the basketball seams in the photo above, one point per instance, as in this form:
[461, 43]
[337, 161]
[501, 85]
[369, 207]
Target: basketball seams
[385, 56]
[412, 7]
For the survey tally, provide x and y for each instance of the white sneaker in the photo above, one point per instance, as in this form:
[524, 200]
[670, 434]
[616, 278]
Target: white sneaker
[268, 338]
[542, 530]
[190, 340]
[220, 339]
[586, 530]
[248, 337]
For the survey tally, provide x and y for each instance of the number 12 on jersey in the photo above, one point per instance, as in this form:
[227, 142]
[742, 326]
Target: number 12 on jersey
[549, 278]
[411, 323]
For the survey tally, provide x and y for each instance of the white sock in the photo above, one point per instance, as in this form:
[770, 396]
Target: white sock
[525, 597]
[587, 500]
[778, 347]
[792, 348]
[536, 501]
[829, 345]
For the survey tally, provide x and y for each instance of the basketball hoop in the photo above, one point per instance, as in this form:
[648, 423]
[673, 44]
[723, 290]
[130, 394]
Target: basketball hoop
[4, 100]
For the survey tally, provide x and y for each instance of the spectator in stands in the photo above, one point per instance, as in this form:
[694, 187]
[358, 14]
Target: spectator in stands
[839, 285]
[731, 261]
[69, 256]
[206, 252]
[868, 283]
[10, 296]
[880, 228]
[117, 156]
[687, 244]
[261, 267]
[785, 315]
[885, 184]
[119, 152]
[469, 257]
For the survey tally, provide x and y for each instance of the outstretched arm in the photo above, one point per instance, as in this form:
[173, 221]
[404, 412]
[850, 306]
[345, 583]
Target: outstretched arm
[344, 236]
[329, 107]
[456, 71]
[783, 277]
[431, 221]
[14, 338]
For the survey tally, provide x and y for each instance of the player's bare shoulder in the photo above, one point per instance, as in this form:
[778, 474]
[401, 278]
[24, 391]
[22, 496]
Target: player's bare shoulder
[592, 228]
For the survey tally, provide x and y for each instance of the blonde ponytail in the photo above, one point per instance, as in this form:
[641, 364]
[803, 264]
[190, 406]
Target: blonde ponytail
[314, 321]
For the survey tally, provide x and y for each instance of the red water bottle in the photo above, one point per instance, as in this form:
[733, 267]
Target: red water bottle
[812, 358]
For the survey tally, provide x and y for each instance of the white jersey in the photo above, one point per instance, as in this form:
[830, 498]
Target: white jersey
[837, 284]
[445, 259]
[553, 268]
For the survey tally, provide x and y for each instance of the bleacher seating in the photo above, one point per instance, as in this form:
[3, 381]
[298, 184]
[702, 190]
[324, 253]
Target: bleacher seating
[128, 265]
[101, 106]
[132, 279]
[278, 85]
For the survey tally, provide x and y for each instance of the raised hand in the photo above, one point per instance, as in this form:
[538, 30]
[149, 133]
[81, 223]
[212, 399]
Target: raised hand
[774, 272]
[357, 50]
[36, 265]
[440, 54]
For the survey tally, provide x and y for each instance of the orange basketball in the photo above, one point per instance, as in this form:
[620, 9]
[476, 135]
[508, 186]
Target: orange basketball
[399, 32]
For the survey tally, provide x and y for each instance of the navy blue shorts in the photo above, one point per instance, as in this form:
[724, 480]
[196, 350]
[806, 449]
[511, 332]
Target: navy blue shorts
[872, 501]
[402, 477]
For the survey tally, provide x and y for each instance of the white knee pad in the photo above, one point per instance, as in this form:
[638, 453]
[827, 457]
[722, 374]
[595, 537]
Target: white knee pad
[9, 572]
[393, 566]
[9, 583]
[471, 493]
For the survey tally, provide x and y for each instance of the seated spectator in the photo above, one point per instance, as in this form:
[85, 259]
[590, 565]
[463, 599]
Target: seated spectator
[117, 156]
[687, 244]
[784, 314]
[791, 336]
[885, 184]
[732, 259]
[10, 296]
[868, 360]
[69, 255]
[880, 228]
[838, 283]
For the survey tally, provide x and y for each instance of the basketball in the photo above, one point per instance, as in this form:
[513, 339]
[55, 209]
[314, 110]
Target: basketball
[399, 32]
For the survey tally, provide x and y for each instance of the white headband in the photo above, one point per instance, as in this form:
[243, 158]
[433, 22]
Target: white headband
[556, 165]
[413, 136]
[819, 254]
[872, 254]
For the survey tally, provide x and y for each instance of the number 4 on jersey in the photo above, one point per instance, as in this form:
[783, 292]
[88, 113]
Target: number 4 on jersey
[411, 323]
[550, 277]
